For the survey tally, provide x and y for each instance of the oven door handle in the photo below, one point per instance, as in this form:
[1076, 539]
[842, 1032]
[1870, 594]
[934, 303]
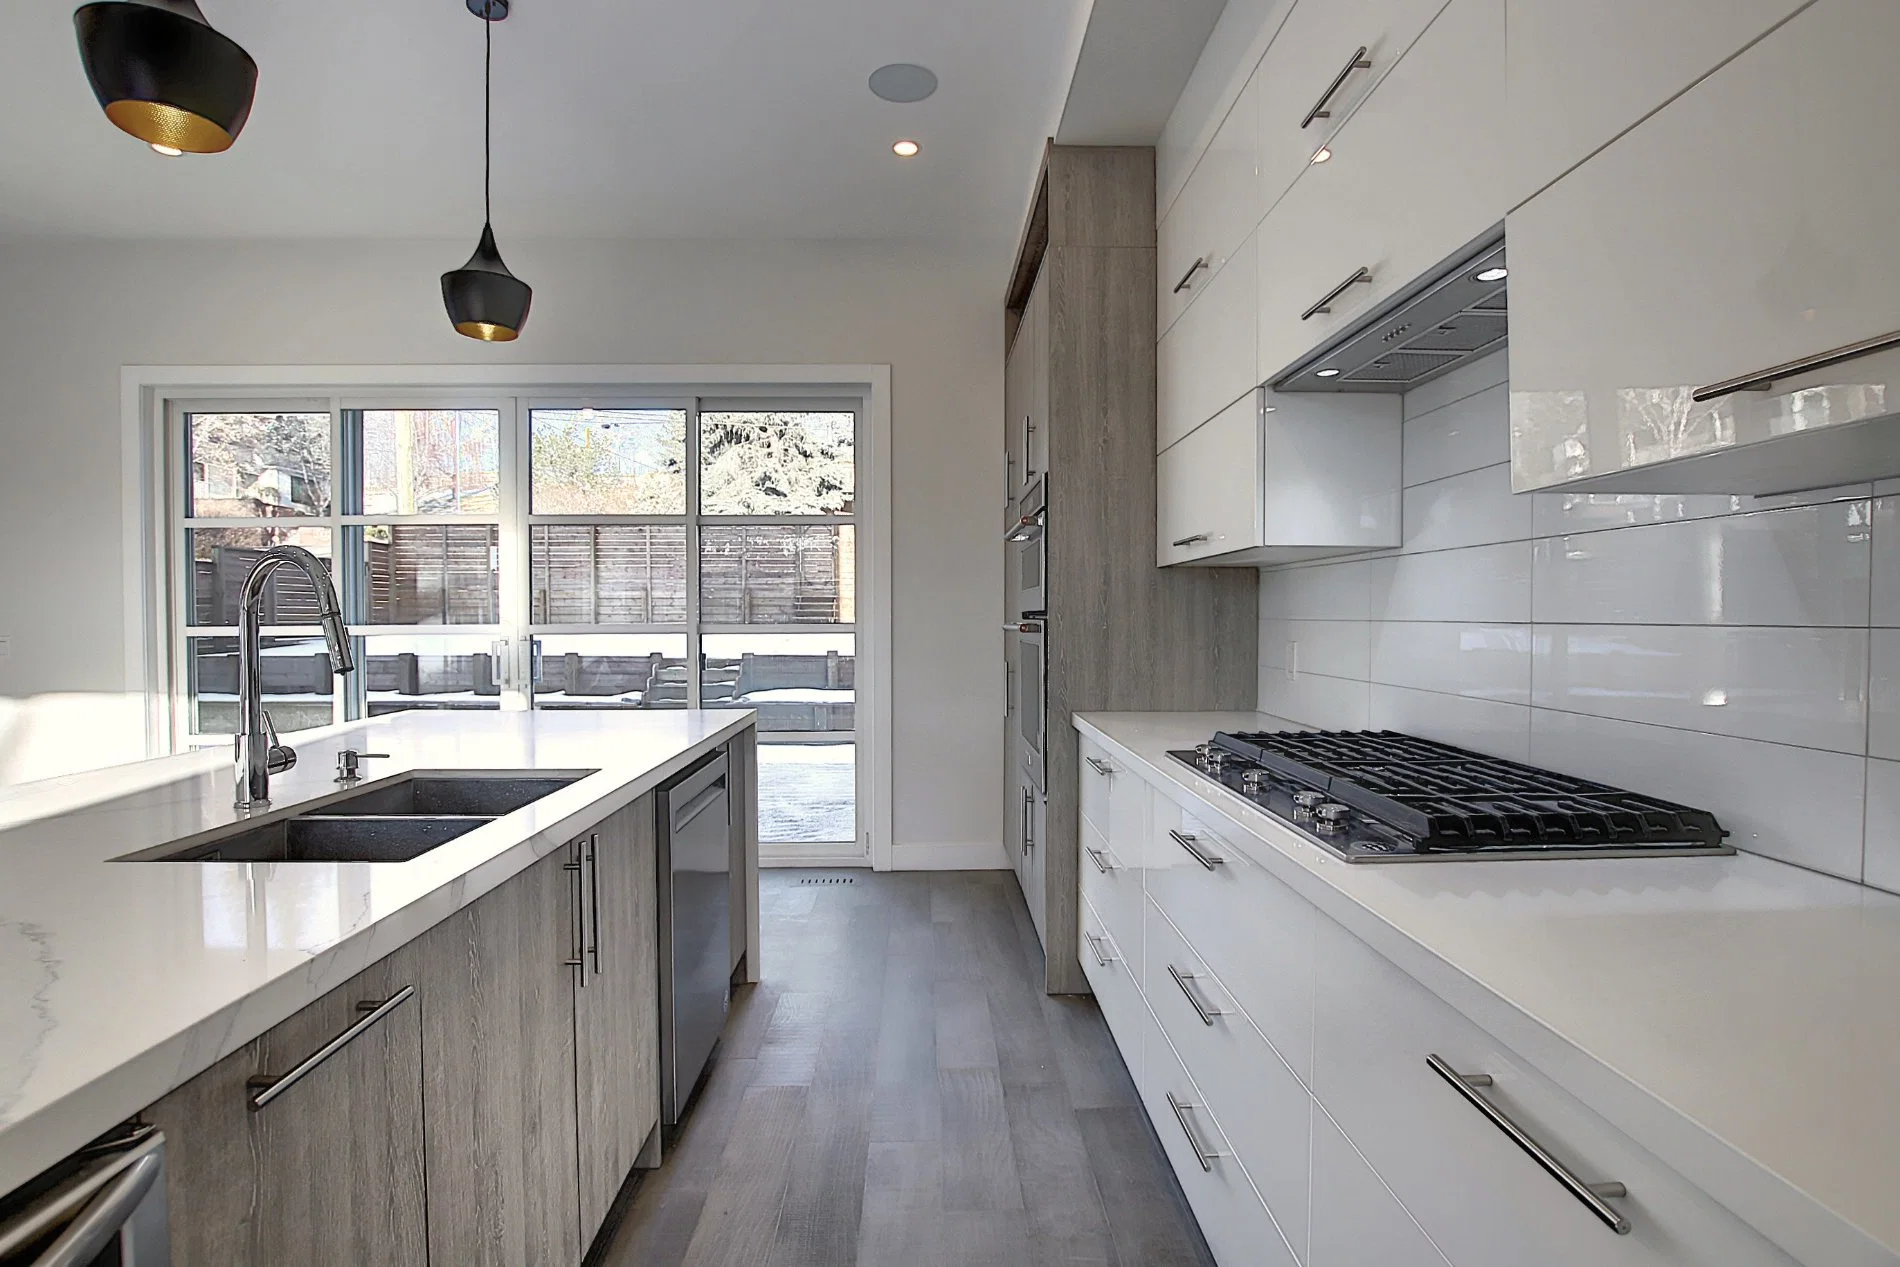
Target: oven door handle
[105, 1215]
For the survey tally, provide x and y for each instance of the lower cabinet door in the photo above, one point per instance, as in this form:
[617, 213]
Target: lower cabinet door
[498, 1063]
[1263, 1107]
[617, 1008]
[1482, 1199]
[1116, 982]
[1112, 886]
[1232, 1217]
[330, 1170]
[1357, 1222]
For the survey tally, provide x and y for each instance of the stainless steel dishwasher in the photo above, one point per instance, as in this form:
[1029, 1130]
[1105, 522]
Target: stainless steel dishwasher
[695, 861]
[102, 1207]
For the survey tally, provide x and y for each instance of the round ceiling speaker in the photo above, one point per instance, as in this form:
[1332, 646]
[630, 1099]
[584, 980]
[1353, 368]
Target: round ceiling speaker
[903, 82]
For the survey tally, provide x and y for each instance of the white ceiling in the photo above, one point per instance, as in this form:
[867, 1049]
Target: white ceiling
[614, 118]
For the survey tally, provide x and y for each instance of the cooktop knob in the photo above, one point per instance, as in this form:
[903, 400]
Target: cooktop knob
[1304, 803]
[1331, 816]
[1254, 782]
[1213, 760]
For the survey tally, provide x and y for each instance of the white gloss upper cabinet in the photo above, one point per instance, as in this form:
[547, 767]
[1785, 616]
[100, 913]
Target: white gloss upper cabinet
[1415, 175]
[1580, 74]
[1278, 477]
[1205, 361]
[1320, 40]
[1214, 213]
[1748, 224]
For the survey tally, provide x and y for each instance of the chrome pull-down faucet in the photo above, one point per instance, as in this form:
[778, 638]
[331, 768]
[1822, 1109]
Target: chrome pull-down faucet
[259, 753]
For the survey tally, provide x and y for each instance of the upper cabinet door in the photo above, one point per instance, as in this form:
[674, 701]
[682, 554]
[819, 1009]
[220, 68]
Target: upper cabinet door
[1206, 362]
[1313, 65]
[1216, 210]
[1747, 225]
[1581, 74]
[1415, 175]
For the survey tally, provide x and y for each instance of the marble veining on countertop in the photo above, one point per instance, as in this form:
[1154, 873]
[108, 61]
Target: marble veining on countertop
[1737, 1016]
[120, 981]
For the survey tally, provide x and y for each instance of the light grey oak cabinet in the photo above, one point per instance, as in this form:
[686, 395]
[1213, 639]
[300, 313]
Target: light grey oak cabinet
[617, 1008]
[1121, 633]
[330, 1170]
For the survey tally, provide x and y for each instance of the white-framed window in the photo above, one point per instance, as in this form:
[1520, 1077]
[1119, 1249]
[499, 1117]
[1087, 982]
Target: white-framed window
[626, 549]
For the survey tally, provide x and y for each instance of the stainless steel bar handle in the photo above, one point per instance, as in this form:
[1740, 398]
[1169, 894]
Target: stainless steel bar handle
[1029, 821]
[577, 908]
[1193, 845]
[265, 1088]
[1194, 539]
[1100, 766]
[1819, 361]
[1187, 1128]
[1095, 946]
[1181, 979]
[1591, 1194]
[1187, 279]
[1100, 860]
[1325, 304]
[87, 1236]
[1358, 61]
[593, 899]
[66, 1201]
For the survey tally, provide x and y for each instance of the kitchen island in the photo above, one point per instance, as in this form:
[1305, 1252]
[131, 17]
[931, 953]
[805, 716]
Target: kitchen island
[128, 986]
[1716, 1035]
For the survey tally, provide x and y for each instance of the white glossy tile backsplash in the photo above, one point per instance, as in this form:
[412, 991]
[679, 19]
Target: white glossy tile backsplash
[1740, 654]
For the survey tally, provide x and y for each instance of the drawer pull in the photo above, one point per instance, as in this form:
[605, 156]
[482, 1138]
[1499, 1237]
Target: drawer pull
[1819, 361]
[1193, 845]
[1181, 979]
[1181, 1115]
[1188, 278]
[1325, 303]
[1192, 540]
[1591, 1194]
[1100, 766]
[1102, 960]
[1100, 860]
[1358, 61]
[266, 1088]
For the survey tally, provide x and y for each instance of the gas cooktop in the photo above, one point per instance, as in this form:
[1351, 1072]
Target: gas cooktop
[1378, 796]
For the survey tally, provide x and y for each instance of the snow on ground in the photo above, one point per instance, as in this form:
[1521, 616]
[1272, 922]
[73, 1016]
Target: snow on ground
[807, 793]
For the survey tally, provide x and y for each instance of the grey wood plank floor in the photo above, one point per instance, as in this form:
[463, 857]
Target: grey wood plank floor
[898, 1090]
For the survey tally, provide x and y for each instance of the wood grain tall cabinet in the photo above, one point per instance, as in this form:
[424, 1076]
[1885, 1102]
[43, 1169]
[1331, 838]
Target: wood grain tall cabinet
[1079, 328]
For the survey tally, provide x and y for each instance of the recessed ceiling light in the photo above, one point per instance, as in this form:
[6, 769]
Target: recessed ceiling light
[906, 149]
[903, 82]
[1322, 154]
[1496, 273]
[1326, 373]
[167, 150]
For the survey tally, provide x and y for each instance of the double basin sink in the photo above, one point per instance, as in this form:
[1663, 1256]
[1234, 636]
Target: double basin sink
[391, 820]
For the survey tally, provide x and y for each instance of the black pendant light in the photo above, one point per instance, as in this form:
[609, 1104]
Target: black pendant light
[164, 75]
[484, 299]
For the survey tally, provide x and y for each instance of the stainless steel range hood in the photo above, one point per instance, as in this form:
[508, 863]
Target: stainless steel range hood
[1431, 328]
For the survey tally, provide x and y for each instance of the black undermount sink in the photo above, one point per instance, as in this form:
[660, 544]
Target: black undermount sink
[389, 821]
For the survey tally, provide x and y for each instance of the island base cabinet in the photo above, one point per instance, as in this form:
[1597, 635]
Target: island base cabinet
[1481, 1199]
[1357, 1222]
[498, 1056]
[329, 1171]
[617, 1007]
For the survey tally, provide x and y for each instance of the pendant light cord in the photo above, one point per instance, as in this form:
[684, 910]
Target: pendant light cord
[488, 111]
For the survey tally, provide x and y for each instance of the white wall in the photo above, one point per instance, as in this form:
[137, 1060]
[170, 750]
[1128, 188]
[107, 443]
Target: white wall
[1712, 650]
[74, 312]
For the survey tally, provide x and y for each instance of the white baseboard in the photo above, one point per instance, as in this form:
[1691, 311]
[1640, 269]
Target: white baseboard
[830, 856]
[984, 855]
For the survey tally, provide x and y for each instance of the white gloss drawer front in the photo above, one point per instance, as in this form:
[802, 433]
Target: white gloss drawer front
[1263, 1108]
[1256, 933]
[1112, 885]
[1116, 983]
[1498, 1165]
[1232, 1216]
[1098, 768]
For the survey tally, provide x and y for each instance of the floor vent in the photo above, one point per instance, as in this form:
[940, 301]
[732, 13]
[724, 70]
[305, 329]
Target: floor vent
[827, 879]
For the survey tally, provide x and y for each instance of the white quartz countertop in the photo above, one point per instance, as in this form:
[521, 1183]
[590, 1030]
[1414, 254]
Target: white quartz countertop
[1738, 1017]
[120, 981]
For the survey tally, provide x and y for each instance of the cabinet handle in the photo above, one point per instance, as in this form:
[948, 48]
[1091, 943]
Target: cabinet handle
[99, 1222]
[1193, 845]
[1819, 361]
[1196, 539]
[1358, 61]
[1100, 766]
[1029, 821]
[1181, 979]
[1187, 279]
[1100, 860]
[593, 897]
[1095, 946]
[577, 908]
[1325, 303]
[1181, 1115]
[1591, 1194]
[266, 1088]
